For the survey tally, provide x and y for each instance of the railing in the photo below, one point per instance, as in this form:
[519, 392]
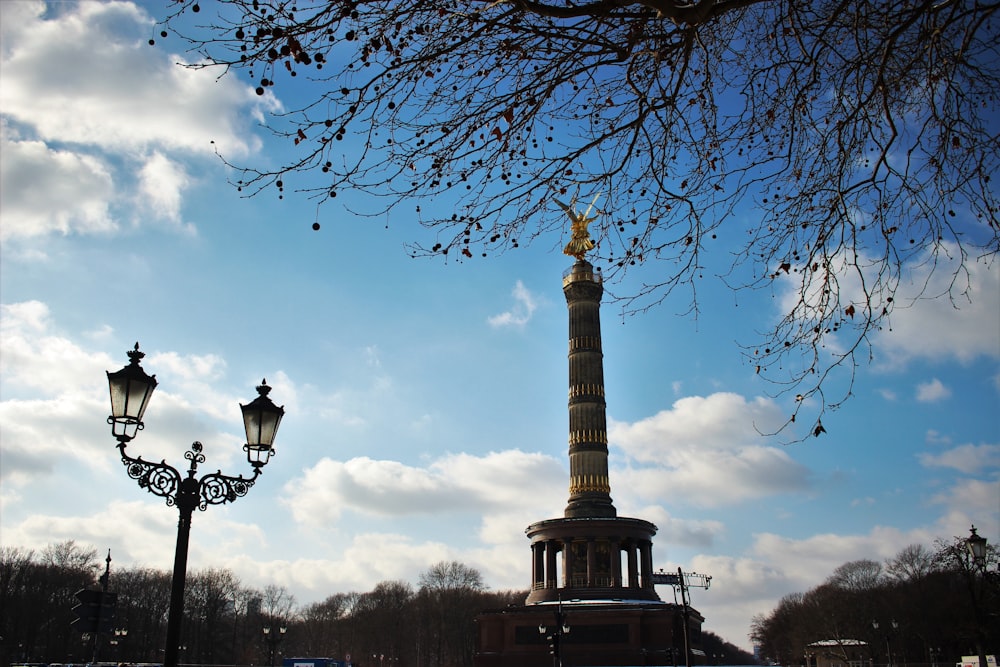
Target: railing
[571, 275]
[581, 582]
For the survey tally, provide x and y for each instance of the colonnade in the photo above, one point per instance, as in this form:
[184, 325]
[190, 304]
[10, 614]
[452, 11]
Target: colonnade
[588, 572]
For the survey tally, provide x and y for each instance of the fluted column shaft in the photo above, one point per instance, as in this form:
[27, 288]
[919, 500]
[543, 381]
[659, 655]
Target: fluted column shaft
[589, 487]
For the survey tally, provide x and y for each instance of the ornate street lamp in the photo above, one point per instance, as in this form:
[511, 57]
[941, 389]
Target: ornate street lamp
[131, 390]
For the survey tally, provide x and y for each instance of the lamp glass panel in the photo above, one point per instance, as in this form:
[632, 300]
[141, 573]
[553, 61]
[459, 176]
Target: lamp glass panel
[137, 399]
[977, 547]
[261, 426]
[119, 395]
[130, 394]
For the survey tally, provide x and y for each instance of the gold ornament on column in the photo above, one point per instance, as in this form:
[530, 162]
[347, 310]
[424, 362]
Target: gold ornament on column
[581, 242]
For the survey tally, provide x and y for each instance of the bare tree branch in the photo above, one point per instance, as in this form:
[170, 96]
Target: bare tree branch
[859, 138]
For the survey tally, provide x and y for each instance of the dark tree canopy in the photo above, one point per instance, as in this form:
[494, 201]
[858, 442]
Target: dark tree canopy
[223, 619]
[947, 605]
[835, 143]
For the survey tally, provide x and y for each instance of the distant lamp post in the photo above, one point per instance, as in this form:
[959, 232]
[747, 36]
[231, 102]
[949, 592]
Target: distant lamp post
[119, 638]
[554, 636]
[894, 626]
[273, 639]
[131, 390]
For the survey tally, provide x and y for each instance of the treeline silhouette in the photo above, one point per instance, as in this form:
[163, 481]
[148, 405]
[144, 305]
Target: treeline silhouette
[922, 606]
[392, 625]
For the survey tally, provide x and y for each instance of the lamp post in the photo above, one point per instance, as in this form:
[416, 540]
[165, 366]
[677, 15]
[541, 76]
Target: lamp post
[131, 390]
[554, 636]
[117, 641]
[976, 545]
[273, 639]
[888, 635]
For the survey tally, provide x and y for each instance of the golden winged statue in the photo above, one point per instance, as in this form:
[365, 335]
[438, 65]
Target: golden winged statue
[581, 242]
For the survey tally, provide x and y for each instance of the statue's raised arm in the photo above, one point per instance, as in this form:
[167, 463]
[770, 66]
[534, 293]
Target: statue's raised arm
[580, 242]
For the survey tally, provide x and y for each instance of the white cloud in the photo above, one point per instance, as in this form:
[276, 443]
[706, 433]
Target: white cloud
[39, 361]
[459, 483]
[371, 355]
[139, 532]
[933, 391]
[969, 459]
[705, 450]
[46, 190]
[55, 400]
[498, 479]
[934, 437]
[520, 314]
[487, 489]
[677, 531]
[940, 311]
[808, 562]
[936, 327]
[365, 559]
[723, 420]
[63, 76]
[162, 182]
[96, 122]
[972, 497]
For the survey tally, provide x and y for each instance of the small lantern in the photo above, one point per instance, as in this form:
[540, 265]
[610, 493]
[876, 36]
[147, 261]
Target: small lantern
[131, 389]
[977, 547]
[261, 418]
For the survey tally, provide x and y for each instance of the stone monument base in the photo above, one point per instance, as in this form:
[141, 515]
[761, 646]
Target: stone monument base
[601, 633]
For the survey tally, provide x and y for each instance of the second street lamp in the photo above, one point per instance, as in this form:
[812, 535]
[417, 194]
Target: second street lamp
[131, 390]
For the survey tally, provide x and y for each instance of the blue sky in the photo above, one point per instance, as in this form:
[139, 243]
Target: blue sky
[426, 400]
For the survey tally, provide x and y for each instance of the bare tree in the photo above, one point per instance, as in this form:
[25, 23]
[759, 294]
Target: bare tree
[451, 576]
[828, 145]
[323, 623]
[858, 576]
[450, 596]
[381, 623]
[277, 604]
[70, 556]
[143, 600]
[210, 615]
[913, 562]
[779, 634]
